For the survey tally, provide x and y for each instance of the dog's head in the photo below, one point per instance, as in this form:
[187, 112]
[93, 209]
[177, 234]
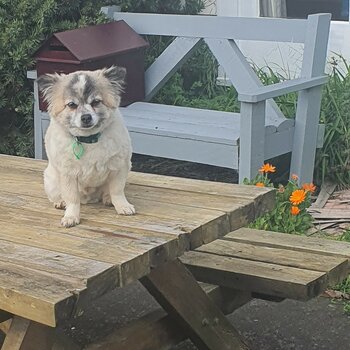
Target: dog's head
[84, 101]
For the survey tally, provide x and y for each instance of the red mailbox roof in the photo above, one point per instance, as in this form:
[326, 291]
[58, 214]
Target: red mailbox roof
[99, 41]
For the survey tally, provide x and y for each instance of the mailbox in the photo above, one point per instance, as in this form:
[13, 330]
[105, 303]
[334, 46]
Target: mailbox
[96, 47]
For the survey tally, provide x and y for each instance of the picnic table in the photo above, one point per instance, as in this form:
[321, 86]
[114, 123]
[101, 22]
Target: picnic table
[49, 273]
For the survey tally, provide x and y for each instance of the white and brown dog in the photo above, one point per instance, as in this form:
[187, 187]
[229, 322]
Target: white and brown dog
[87, 143]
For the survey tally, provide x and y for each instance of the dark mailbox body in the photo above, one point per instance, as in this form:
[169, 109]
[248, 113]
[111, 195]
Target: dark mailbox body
[96, 47]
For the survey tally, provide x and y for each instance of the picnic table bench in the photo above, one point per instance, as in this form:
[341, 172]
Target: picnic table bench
[49, 274]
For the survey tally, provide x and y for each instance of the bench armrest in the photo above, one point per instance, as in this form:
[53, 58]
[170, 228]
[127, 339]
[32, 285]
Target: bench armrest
[285, 87]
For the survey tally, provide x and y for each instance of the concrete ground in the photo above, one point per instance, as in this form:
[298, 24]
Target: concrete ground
[289, 325]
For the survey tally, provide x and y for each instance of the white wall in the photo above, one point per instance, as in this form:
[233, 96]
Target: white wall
[283, 57]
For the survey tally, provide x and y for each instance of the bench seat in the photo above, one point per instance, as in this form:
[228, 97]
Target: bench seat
[271, 263]
[197, 135]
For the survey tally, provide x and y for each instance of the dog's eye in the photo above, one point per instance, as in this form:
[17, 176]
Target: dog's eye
[72, 105]
[95, 103]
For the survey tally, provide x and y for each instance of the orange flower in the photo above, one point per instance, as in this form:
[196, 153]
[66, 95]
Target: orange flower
[309, 187]
[294, 210]
[267, 168]
[260, 184]
[297, 197]
[295, 177]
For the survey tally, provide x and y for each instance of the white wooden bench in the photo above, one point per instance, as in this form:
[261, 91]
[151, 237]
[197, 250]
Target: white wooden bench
[238, 141]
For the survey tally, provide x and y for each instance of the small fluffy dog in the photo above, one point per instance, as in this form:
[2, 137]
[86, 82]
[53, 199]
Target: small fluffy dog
[87, 143]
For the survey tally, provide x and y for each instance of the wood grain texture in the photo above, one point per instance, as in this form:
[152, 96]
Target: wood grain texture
[270, 279]
[285, 241]
[26, 335]
[71, 267]
[207, 327]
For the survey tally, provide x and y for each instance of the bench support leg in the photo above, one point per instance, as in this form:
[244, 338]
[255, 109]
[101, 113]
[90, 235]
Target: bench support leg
[252, 139]
[177, 291]
[28, 335]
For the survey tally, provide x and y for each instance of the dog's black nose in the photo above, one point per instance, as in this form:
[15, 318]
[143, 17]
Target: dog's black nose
[86, 119]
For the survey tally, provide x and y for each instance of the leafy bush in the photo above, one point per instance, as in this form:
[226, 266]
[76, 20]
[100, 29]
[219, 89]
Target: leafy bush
[25, 24]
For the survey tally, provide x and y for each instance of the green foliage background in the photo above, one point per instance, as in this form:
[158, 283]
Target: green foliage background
[24, 25]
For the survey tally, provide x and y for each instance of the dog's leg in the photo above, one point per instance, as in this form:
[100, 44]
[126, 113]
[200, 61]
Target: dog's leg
[117, 181]
[71, 195]
[52, 187]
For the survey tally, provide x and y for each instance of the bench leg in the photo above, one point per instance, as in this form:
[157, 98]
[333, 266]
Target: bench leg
[177, 291]
[28, 335]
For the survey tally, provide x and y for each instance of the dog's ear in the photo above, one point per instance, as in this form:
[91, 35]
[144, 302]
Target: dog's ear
[46, 82]
[116, 76]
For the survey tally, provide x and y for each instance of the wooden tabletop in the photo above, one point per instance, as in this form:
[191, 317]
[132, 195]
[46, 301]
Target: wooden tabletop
[48, 272]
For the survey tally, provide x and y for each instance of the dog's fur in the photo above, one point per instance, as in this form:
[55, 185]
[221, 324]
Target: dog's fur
[101, 172]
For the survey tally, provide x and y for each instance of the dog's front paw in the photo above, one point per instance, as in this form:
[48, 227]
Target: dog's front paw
[60, 205]
[106, 200]
[125, 208]
[70, 221]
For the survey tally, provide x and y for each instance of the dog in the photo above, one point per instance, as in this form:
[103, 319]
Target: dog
[87, 144]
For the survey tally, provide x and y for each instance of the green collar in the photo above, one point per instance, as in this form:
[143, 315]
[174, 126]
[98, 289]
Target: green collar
[88, 139]
[78, 148]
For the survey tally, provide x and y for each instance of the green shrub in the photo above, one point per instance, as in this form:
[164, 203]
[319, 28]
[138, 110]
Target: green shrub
[25, 24]
[333, 160]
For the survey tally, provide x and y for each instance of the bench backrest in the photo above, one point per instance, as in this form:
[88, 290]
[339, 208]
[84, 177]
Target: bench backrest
[220, 34]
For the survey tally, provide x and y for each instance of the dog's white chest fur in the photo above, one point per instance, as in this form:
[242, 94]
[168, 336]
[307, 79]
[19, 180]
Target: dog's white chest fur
[111, 153]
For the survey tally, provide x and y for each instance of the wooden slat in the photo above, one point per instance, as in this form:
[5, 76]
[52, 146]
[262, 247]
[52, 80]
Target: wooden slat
[161, 181]
[335, 267]
[51, 261]
[271, 279]
[240, 28]
[292, 242]
[102, 217]
[39, 296]
[26, 335]
[167, 64]
[25, 184]
[207, 227]
[242, 75]
[205, 323]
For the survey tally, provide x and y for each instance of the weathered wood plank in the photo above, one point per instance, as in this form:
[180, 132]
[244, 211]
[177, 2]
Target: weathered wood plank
[26, 335]
[170, 210]
[50, 261]
[38, 296]
[161, 181]
[99, 217]
[199, 186]
[327, 190]
[207, 327]
[270, 279]
[292, 242]
[335, 267]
